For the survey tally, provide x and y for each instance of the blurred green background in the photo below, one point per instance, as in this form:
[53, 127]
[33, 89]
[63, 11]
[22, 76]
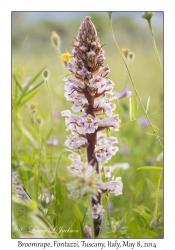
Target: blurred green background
[32, 50]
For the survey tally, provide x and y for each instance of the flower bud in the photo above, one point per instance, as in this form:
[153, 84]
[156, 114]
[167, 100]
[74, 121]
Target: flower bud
[147, 15]
[33, 106]
[55, 39]
[125, 51]
[46, 74]
[131, 56]
[38, 118]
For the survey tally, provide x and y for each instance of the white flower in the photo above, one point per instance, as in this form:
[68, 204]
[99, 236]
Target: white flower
[123, 166]
[113, 186]
[72, 85]
[106, 150]
[99, 84]
[106, 105]
[47, 200]
[71, 120]
[88, 123]
[76, 142]
[86, 181]
[107, 171]
[52, 140]
[109, 122]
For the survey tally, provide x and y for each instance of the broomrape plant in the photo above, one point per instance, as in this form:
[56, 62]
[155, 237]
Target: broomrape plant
[91, 93]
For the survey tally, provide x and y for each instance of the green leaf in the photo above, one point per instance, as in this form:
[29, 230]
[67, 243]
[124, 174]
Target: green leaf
[134, 106]
[150, 168]
[76, 230]
[135, 229]
[34, 79]
[107, 235]
[77, 212]
[146, 216]
[151, 186]
[45, 179]
[34, 87]
[29, 96]
[104, 223]
[17, 83]
[121, 223]
[158, 193]
[150, 233]
[29, 137]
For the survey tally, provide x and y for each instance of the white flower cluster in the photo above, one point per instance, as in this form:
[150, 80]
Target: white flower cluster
[91, 93]
[87, 181]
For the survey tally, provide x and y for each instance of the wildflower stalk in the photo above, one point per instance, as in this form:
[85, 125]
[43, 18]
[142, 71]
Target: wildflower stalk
[87, 93]
[45, 77]
[133, 84]
[154, 42]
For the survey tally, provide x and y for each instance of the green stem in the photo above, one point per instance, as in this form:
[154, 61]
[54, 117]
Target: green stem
[90, 212]
[52, 123]
[108, 214]
[15, 144]
[157, 198]
[154, 42]
[155, 133]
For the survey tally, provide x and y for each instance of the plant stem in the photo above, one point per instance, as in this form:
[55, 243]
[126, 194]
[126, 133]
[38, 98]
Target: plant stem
[154, 43]
[91, 219]
[52, 123]
[155, 133]
[157, 198]
[92, 140]
[15, 144]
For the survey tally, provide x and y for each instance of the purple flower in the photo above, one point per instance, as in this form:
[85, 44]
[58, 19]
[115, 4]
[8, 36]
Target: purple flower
[105, 105]
[87, 231]
[76, 142]
[143, 122]
[83, 73]
[109, 122]
[97, 211]
[27, 79]
[72, 85]
[88, 123]
[113, 186]
[125, 151]
[105, 151]
[100, 86]
[71, 120]
[126, 93]
[52, 141]
[78, 100]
